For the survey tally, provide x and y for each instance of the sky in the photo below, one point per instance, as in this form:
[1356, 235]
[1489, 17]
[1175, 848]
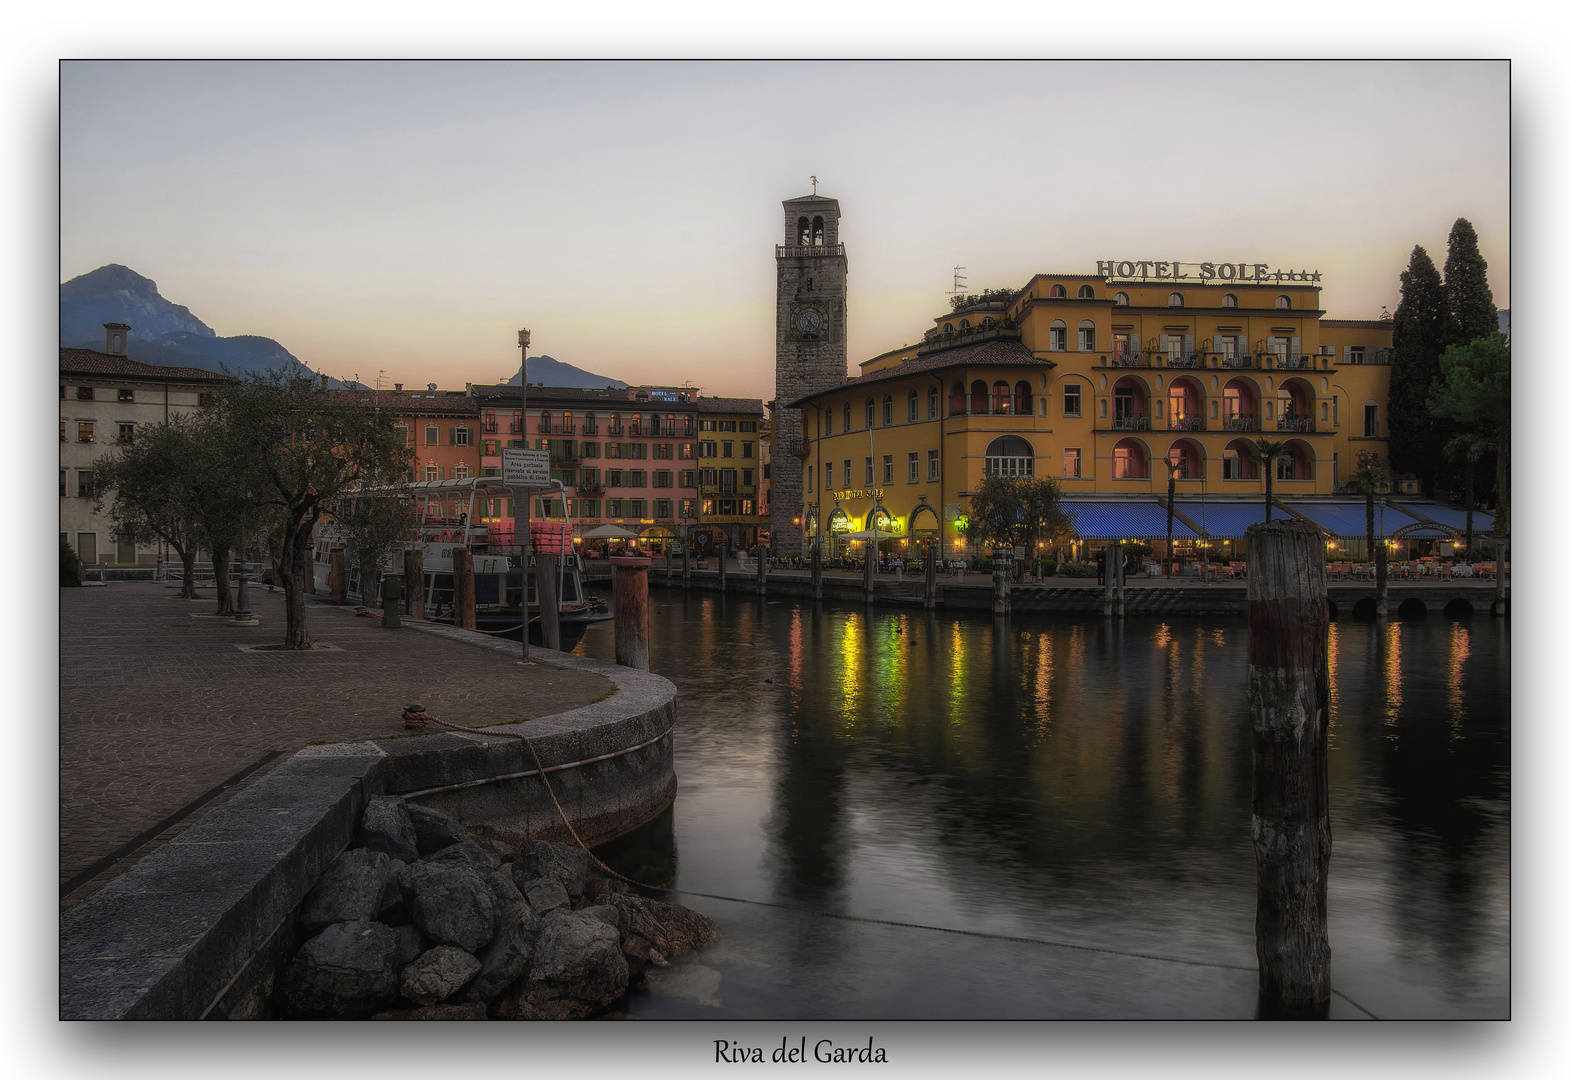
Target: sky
[409, 218]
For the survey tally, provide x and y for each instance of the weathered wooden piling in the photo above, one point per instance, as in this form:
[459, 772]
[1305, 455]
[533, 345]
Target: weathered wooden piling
[630, 598]
[337, 580]
[1120, 602]
[817, 570]
[721, 553]
[686, 562]
[929, 589]
[1501, 556]
[1002, 564]
[463, 588]
[667, 566]
[414, 583]
[1113, 553]
[1381, 583]
[392, 601]
[869, 568]
[1288, 706]
[545, 571]
[762, 555]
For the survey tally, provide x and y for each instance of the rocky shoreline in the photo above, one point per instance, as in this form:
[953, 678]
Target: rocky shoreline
[420, 920]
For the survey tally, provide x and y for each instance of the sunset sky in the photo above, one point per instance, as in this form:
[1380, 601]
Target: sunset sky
[410, 217]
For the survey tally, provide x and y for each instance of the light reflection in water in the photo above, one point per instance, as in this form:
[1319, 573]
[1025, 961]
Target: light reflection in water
[1460, 649]
[1392, 673]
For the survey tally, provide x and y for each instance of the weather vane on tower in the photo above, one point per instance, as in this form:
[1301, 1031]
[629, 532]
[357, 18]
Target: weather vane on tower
[814, 185]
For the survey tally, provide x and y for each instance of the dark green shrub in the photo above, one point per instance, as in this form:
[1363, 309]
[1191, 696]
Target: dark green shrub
[70, 568]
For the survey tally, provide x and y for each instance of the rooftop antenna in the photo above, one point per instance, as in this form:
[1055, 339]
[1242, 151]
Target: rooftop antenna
[814, 185]
[959, 281]
[379, 375]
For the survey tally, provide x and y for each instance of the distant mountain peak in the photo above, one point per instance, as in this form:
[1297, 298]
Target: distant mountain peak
[548, 371]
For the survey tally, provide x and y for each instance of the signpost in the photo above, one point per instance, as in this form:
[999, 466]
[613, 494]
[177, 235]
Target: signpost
[520, 492]
[523, 468]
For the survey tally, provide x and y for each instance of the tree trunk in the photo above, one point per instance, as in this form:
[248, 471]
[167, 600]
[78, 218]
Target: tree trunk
[1368, 510]
[1288, 701]
[550, 605]
[1470, 469]
[1270, 487]
[1171, 497]
[223, 557]
[1381, 581]
[296, 543]
[188, 566]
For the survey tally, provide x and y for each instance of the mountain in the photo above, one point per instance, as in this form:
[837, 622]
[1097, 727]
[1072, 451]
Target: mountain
[161, 332]
[548, 371]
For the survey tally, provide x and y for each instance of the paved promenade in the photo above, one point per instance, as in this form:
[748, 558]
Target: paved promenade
[158, 708]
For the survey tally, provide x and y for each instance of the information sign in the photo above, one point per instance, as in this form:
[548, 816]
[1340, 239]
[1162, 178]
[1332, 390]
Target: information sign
[524, 468]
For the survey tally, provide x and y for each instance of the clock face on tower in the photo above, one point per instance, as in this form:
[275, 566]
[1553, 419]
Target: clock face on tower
[808, 322]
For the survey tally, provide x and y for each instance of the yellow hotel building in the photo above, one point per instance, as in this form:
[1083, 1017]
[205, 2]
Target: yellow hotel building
[1097, 381]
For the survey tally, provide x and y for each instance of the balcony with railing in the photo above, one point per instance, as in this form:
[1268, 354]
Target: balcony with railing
[1295, 423]
[1293, 363]
[1131, 422]
[1237, 423]
[804, 251]
[1186, 423]
[1237, 362]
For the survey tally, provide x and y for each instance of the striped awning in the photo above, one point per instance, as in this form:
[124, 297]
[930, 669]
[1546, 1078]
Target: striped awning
[1449, 515]
[1225, 520]
[1350, 520]
[1123, 519]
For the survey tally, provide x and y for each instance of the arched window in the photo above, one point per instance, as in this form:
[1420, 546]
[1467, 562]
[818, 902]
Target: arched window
[957, 399]
[847, 416]
[948, 328]
[1087, 335]
[888, 410]
[1000, 398]
[872, 418]
[1120, 299]
[803, 237]
[670, 424]
[637, 424]
[964, 324]
[1058, 292]
[912, 404]
[545, 423]
[1297, 463]
[828, 421]
[988, 322]
[566, 424]
[1057, 336]
[1284, 301]
[615, 423]
[932, 402]
[1086, 292]
[590, 424]
[817, 232]
[1022, 399]
[1130, 461]
[1175, 299]
[978, 397]
[1237, 461]
[1009, 455]
[1229, 300]
[1185, 457]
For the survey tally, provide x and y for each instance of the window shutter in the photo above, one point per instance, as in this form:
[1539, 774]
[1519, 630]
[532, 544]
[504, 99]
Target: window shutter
[1346, 354]
[1188, 344]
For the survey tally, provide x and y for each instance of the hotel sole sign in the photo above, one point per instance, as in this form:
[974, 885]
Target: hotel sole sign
[1142, 270]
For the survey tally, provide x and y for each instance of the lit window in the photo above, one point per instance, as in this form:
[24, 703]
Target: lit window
[1071, 462]
[1010, 456]
[84, 432]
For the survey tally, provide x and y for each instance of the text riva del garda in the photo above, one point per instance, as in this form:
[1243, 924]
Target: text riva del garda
[788, 1052]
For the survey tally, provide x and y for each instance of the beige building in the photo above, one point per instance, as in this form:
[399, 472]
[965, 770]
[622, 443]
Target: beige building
[105, 398]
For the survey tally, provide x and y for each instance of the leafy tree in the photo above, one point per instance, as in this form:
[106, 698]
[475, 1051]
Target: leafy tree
[225, 494]
[153, 481]
[1418, 335]
[1014, 511]
[1266, 452]
[1467, 449]
[1369, 479]
[1473, 389]
[1470, 312]
[70, 566]
[308, 447]
[373, 525]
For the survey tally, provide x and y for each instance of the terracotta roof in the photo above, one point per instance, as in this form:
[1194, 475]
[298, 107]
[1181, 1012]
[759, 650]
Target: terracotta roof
[751, 406]
[1000, 351]
[502, 394]
[414, 401]
[93, 362]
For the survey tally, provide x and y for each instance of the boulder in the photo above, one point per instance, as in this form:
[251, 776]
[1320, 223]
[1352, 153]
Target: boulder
[577, 968]
[433, 830]
[653, 930]
[410, 944]
[503, 889]
[385, 826]
[449, 903]
[567, 863]
[437, 975]
[465, 1011]
[355, 887]
[503, 851]
[545, 895]
[506, 958]
[606, 913]
[467, 852]
[597, 889]
[347, 972]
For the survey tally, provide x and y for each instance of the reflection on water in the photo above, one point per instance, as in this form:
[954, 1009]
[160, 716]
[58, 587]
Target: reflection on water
[1081, 782]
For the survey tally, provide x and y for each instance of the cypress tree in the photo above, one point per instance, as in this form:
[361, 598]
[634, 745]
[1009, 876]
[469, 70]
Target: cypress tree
[1471, 313]
[1419, 338]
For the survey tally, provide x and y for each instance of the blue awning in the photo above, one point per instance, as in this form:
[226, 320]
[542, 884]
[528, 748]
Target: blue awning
[1123, 519]
[1349, 520]
[1451, 516]
[1225, 520]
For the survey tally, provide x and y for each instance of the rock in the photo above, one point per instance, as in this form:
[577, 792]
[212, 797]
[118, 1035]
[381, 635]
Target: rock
[410, 944]
[504, 890]
[653, 930]
[385, 826]
[450, 903]
[545, 895]
[503, 851]
[505, 958]
[467, 852]
[354, 888]
[433, 830]
[606, 913]
[577, 967]
[598, 889]
[437, 975]
[466, 1011]
[567, 863]
[347, 972]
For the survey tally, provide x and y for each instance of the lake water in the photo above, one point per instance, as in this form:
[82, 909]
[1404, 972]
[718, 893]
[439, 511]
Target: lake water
[924, 816]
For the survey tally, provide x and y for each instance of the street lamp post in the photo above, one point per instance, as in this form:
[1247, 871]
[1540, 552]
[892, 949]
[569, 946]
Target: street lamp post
[520, 499]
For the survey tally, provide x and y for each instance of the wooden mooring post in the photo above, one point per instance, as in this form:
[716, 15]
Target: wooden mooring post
[630, 601]
[545, 571]
[929, 588]
[869, 568]
[1120, 604]
[463, 588]
[761, 553]
[1114, 554]
[722, 553]
[1288, 707]
[667, 566]
[1002, 570]
[686, 562]
[414, 583]
[817, 570]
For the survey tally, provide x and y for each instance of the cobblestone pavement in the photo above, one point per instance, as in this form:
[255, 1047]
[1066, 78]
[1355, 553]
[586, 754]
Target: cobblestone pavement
[157, 707]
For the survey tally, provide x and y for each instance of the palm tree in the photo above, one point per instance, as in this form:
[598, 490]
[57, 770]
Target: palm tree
[1266, 453]
[1369, 478]
[1467, 449]
[1174, 469]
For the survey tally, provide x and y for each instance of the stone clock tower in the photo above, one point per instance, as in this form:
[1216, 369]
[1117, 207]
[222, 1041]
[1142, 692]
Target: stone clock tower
[809, 347]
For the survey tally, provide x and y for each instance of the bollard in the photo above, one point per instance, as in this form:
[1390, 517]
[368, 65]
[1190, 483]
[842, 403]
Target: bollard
[1288, 701]
[869, 567]
[722, 553]
[929, 590]
[242, 607]
[762, 554]
[1120, 608]
[1108, 555]
[817, 570]
[550, 602]
[1002, 564]
[667, 566]
[463, 588]
[686, 563]
[630, 598]
[414, 583]
[337, 580]
[392, 600]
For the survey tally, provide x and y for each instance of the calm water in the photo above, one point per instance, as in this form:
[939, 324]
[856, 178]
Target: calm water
[1084, 784]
